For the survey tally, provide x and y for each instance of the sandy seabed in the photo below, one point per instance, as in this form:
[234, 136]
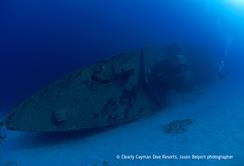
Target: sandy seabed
[214, 137]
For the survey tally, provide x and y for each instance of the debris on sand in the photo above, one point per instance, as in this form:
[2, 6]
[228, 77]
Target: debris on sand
[105, 163]
[2, 133]
[11, 163]
[101, 163]
[177, 126]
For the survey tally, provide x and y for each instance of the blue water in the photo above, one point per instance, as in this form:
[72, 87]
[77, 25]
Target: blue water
[40, 41]
[43, 40]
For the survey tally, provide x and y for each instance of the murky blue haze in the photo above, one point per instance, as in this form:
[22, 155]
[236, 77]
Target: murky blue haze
[42, 40]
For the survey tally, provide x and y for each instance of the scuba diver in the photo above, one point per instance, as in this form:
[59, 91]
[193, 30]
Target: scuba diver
[221, 73]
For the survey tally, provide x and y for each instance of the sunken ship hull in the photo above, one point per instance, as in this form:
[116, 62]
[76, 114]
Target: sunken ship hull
[111, 92]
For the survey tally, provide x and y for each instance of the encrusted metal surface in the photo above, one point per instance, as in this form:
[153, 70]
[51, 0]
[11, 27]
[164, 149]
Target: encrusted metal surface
[103, 94]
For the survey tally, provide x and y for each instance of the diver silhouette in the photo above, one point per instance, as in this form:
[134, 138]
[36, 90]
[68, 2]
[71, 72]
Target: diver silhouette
[221, 72]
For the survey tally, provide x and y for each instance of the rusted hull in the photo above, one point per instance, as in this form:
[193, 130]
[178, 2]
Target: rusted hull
[103, 94]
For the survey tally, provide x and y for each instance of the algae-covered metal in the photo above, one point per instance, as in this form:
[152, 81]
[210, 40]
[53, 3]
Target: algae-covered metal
[114, 91]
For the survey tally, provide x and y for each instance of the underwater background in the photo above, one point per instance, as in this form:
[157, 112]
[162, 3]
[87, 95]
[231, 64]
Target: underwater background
[41, 41]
